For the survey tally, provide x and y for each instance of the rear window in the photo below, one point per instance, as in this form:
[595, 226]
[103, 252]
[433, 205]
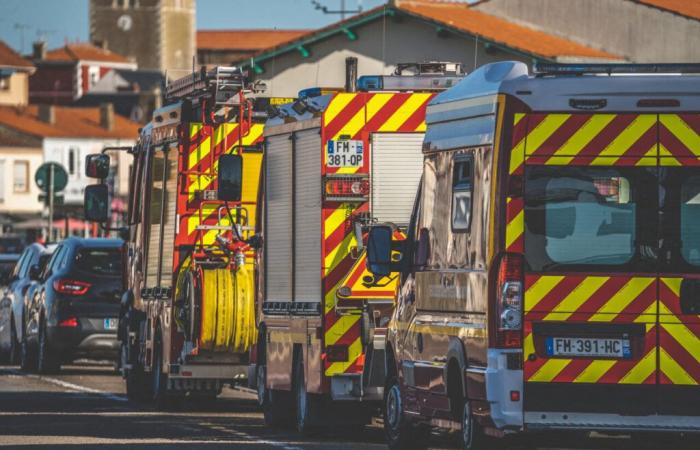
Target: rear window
[578, 217]
[101, 261]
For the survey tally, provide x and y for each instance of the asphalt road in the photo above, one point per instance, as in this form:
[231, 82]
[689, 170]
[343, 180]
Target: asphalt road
[85, 407]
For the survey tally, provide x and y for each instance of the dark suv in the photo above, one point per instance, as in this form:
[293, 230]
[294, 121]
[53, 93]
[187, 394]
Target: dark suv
[77, 306]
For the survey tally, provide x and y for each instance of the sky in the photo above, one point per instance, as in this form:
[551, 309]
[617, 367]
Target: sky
[57, 21]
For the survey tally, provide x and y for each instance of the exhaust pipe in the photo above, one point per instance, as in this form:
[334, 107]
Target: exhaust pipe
[351, 74]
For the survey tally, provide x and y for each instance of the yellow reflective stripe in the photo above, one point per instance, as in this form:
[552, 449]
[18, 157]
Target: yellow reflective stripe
[339, 328]
[517, 157]
[550, 370]
[515, 228]
[576, 298]
[583, 136]
[628, 136]
[405, 111]
[594, 371]
[674, 371]
[354, 351]
[334, 257]
[528, 346]
[539, 289]
[336, 105]
[544, 130]
[199, 153]
[517, 117]
[686, 338]
[674, 284]
[682, 131]
[642, 370]
[422, 127]
[622, 298]
[195, 128]
[335, 220]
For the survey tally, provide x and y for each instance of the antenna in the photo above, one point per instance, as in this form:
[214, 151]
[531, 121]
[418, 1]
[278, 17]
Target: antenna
[21, 27]
[342, 11]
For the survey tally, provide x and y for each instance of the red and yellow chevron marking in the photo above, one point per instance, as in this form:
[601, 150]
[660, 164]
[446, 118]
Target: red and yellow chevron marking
[591, 299]
[584, 139]
[679, 337]
[515, 225]
[679, 139]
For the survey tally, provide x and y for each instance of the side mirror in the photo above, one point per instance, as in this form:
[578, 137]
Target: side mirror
[97, 165]
[230, 178]
[96, 203]
[34, 272]
[379, 250]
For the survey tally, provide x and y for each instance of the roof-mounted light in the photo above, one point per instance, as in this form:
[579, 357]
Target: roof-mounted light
[542, 69]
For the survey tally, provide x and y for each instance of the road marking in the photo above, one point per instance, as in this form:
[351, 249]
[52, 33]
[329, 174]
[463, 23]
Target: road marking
[250, 437]
[71, 386]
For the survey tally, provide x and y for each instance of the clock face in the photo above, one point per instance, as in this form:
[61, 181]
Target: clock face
[124, 22]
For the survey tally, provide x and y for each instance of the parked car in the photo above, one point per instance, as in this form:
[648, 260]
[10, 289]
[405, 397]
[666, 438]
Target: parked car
[12, 302]
[74, 313]
[11, 245]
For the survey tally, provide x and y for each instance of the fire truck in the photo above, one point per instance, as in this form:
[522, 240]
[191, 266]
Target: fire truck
[549, 278]
[188, 317]
[334, 164]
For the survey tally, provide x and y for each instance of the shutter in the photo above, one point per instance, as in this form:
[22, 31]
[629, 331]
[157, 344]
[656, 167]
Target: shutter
[156, 198]
[278, 225]
[397, 165]
[307, 219]
[169, 220]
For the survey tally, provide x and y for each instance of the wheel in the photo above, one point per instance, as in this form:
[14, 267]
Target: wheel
[27, 354]
[159, 382]
[306, 404]
[276, 405]
[473, 437]
[136, 381]
[14, 343]
[260, 384]
[400, 433]
[47, 361]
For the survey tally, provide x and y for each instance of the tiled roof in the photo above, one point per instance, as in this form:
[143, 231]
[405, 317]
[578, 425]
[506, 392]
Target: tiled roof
[10, 58]
[69, 123]
[688, 8]
[244, 40]
[464, 18]
[85, 52]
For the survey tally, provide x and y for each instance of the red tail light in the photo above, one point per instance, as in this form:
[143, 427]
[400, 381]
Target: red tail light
[71, 287]
[509, 302]
[344, 188]
[69, 323]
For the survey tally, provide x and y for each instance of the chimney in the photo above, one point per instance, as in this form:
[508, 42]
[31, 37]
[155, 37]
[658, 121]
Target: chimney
[47, 114]
[107, 116]
[350, 74]
[39, 50]
[102, 43]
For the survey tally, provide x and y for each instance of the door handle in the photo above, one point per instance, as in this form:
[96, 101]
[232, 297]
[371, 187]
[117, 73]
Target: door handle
[419, 342]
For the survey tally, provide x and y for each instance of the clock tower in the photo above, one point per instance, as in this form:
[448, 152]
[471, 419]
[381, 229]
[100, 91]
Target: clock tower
[157, 34]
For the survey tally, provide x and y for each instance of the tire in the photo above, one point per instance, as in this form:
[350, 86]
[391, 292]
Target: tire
[399, 432]
[135, 378]
[14, 343]
[47, 361]
[472, 436]
[163, 400]
[27, 354]
[276, 405]
[306, 405]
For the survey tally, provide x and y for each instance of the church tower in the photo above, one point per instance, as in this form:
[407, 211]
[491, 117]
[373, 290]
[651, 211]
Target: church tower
[157, 34]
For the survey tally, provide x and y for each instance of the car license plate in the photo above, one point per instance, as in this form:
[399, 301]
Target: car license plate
[345, 153]
[588, 347]
[111, 324]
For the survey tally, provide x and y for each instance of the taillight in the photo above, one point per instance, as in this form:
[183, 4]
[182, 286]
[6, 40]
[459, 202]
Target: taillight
[345, 188]
[509, 302]
[69, 323]
[71, 287]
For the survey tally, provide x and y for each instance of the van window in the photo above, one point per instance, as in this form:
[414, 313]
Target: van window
[585, 216]
[462, 182]
[690, 220]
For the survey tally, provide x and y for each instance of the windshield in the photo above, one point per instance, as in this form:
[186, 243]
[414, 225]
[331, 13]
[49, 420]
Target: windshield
[578, 217]
[101, 261]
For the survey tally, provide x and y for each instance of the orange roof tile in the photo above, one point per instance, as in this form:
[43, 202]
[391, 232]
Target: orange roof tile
[85, 52]
[464, 18]
[10, 58]
[688, 8]
[69, 123]
[244, 40]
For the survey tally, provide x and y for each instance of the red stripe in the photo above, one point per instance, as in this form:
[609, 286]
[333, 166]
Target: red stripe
[572, 370]
[606, 135]
[520, 128]
[598, 299]
[558, 293]
[513, 209]
[692, 120]
[669, 299]
[337, 236]
[415, 119]
[672, 143]
[352, 108]
[386, 111]
[622, 368]
[645, 142]
[562, 134]
[359, 270]
[518, 246]
[680, 354]
[640, 304]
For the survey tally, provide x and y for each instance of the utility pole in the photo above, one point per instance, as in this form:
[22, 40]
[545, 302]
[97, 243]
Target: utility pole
[51, 168]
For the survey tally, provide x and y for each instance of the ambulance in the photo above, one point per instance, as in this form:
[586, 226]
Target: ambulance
[550, 279]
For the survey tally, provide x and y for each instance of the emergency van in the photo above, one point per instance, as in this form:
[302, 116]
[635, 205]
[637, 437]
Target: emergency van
[334, 164]
[550, 279]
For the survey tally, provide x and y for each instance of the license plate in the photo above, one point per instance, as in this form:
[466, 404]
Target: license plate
[588, 347]
[111, 324]
[345, 153]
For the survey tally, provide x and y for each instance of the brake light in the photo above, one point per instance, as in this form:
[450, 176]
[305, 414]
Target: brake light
[337, 353]
[71, 287]
[69, 323]
[346, 188]
[509, 302]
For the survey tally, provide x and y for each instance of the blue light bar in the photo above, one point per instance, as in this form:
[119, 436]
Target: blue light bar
[310, 92]
[581, 69]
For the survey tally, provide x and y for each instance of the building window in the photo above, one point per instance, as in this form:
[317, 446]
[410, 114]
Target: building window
[93, 76]
[4, 83]
[21, 177]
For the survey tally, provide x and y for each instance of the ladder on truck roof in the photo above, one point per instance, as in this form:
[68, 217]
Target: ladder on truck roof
[222, 83]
